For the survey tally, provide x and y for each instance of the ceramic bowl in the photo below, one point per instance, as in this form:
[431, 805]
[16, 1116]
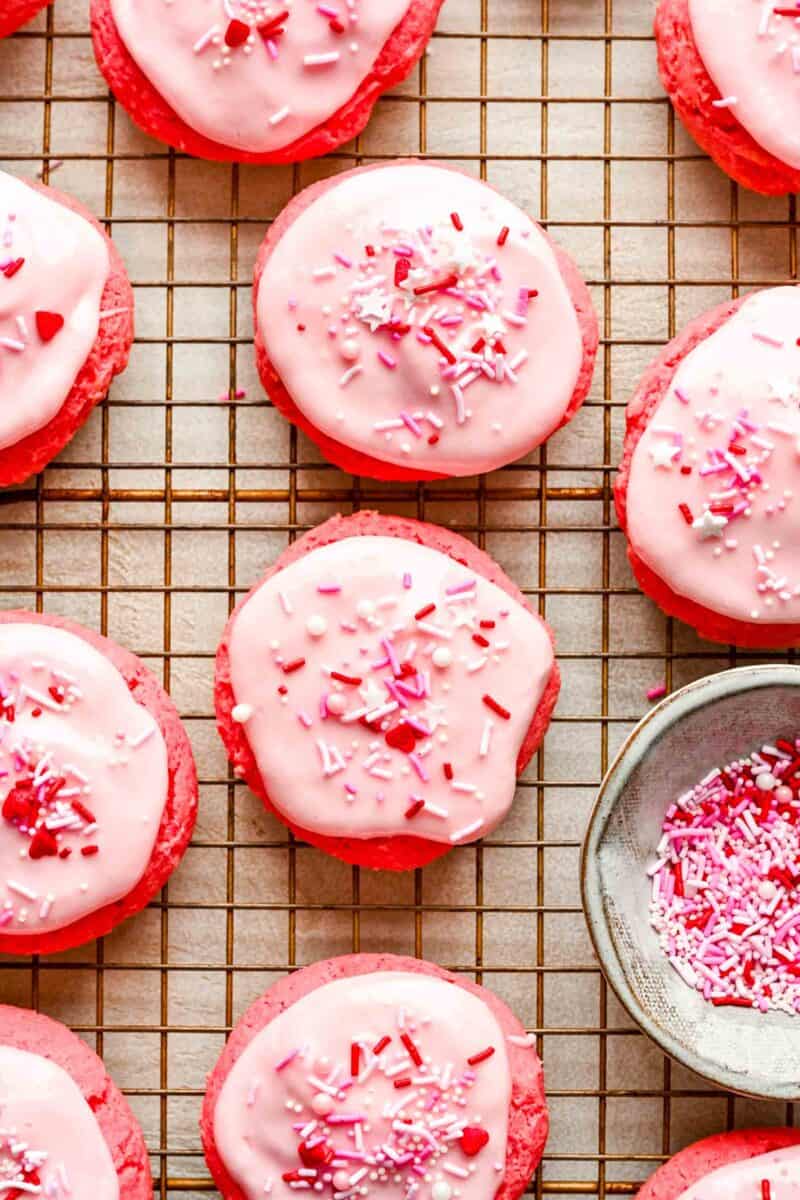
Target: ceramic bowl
[704, 725]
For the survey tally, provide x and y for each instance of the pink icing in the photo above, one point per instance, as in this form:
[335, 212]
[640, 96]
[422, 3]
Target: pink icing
[752, 55]
[344, 326]
[50, 1142]
[743, 1180]
[359, 608]
[725, 442]
[266, 92]
[64, 271]
[83, 780]
[294, 1083]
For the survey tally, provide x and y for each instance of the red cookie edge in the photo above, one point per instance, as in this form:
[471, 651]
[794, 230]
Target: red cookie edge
[151, 112]
[716, 130]
[17, 13]
[180, 810]
[693, 1163]
[107, 358]
[38, 1034]
[356, 462]
[401, 852]
[528, 1121]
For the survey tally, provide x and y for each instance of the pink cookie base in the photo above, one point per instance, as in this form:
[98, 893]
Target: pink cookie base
[653, 386]
[180, 810]
[689, 1166]
[17, 13]
[343, 456]
[31, 1031]
[108, 357]
[400, 853]
[716, 130]
[528, 1104]
[151, 112]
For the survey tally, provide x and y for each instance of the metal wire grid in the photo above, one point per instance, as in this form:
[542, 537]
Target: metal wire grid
[103, 536]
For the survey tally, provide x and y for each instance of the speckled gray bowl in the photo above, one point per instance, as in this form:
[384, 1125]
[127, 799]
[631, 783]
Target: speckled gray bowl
[704, 725]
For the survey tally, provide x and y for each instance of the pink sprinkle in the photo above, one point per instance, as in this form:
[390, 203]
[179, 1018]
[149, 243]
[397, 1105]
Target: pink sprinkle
[387, 360]
[655, 693]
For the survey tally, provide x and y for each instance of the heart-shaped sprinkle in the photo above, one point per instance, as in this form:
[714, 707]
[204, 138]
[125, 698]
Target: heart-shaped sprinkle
[43, 844]
[10, 269]
[401, 737]
[473, 1139]
[48, 324]
[236, 34]
[319, 1155]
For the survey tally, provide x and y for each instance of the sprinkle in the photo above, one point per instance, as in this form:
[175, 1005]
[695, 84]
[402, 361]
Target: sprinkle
[655, 693]
[495, 707]
[481, 1057]
[502, 237]
[725, 102]
[280, 115]
[468, 830]
[321, 60]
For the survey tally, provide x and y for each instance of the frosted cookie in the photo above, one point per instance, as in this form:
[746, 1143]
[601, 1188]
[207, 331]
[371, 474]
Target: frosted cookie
[16, 13]
[381, 689]
[98, 791]
[257, 80]
[730, 69]
[376, 1076]
[416, 324]
[66, 322]
[748, 1164]
[706, 492]
[65, 1130]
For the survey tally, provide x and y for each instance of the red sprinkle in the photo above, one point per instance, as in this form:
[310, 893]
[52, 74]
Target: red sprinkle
[487, 624]
[65, 852]
[414, 1053]
[438, 285]
[48, 324]
[83, 811]
[270, 27]
[424, 612]
[496, 708]
[433, 439]
[448, 771]
[766, 1190]
[456, 219]
[480, 640]
[401, 271]
[294, 665]
[445, 351]
[731, 1002]
[89, 851]
[381, 1045]
[686, 513]
[336, 25]
[11, 268]
[236, 34]
[479, 1058]
[355, 1055]
[403, 1082]
[416, 807]
[352, 680]
[370, 251]
[502, 236]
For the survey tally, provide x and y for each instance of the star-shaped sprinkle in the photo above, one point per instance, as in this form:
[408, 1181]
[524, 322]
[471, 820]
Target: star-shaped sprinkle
[783, 390]
[372, 694]
[464, 618]
[663, 453]
[492, 326]
[374, 309]
[710, 525]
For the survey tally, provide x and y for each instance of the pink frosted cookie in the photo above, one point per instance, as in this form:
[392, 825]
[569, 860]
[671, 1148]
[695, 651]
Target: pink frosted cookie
[380, 1060]
[66, 1131]
[257, 80]
[98, 791]
[416, 324]
[707, 489]
[16, 13]
[66, 323]
[729, 68]
[381, 689]
[748, 1164]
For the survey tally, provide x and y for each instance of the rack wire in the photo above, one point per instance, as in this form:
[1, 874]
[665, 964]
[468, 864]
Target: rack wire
[169, 503]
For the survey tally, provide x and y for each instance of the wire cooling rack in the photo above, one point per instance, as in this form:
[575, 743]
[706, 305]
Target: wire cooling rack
[184, 484]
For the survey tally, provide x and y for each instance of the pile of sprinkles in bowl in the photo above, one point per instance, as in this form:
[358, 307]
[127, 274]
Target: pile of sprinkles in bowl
[725, 899]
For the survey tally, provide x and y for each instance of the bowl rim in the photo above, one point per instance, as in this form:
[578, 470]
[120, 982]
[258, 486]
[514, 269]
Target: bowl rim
[654, 724]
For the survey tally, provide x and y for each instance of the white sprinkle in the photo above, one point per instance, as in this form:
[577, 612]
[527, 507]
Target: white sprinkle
[321, 60]
[468, 830]
[21, 890]
[280, 115]
[241, 713]
[725, 102]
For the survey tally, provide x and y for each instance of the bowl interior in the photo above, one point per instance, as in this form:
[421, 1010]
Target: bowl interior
[707, 724]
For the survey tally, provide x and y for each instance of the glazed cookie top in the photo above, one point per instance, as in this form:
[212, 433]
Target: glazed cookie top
[53, 268]
[745, 1180]
[83, 780]
[256, 74]
[386, 689]
[389, 1085]
[50, 1142]
[750, 50]
[419, 317]
[712, 505]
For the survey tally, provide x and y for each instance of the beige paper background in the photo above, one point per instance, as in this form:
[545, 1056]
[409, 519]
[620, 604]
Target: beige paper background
[168, 504]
